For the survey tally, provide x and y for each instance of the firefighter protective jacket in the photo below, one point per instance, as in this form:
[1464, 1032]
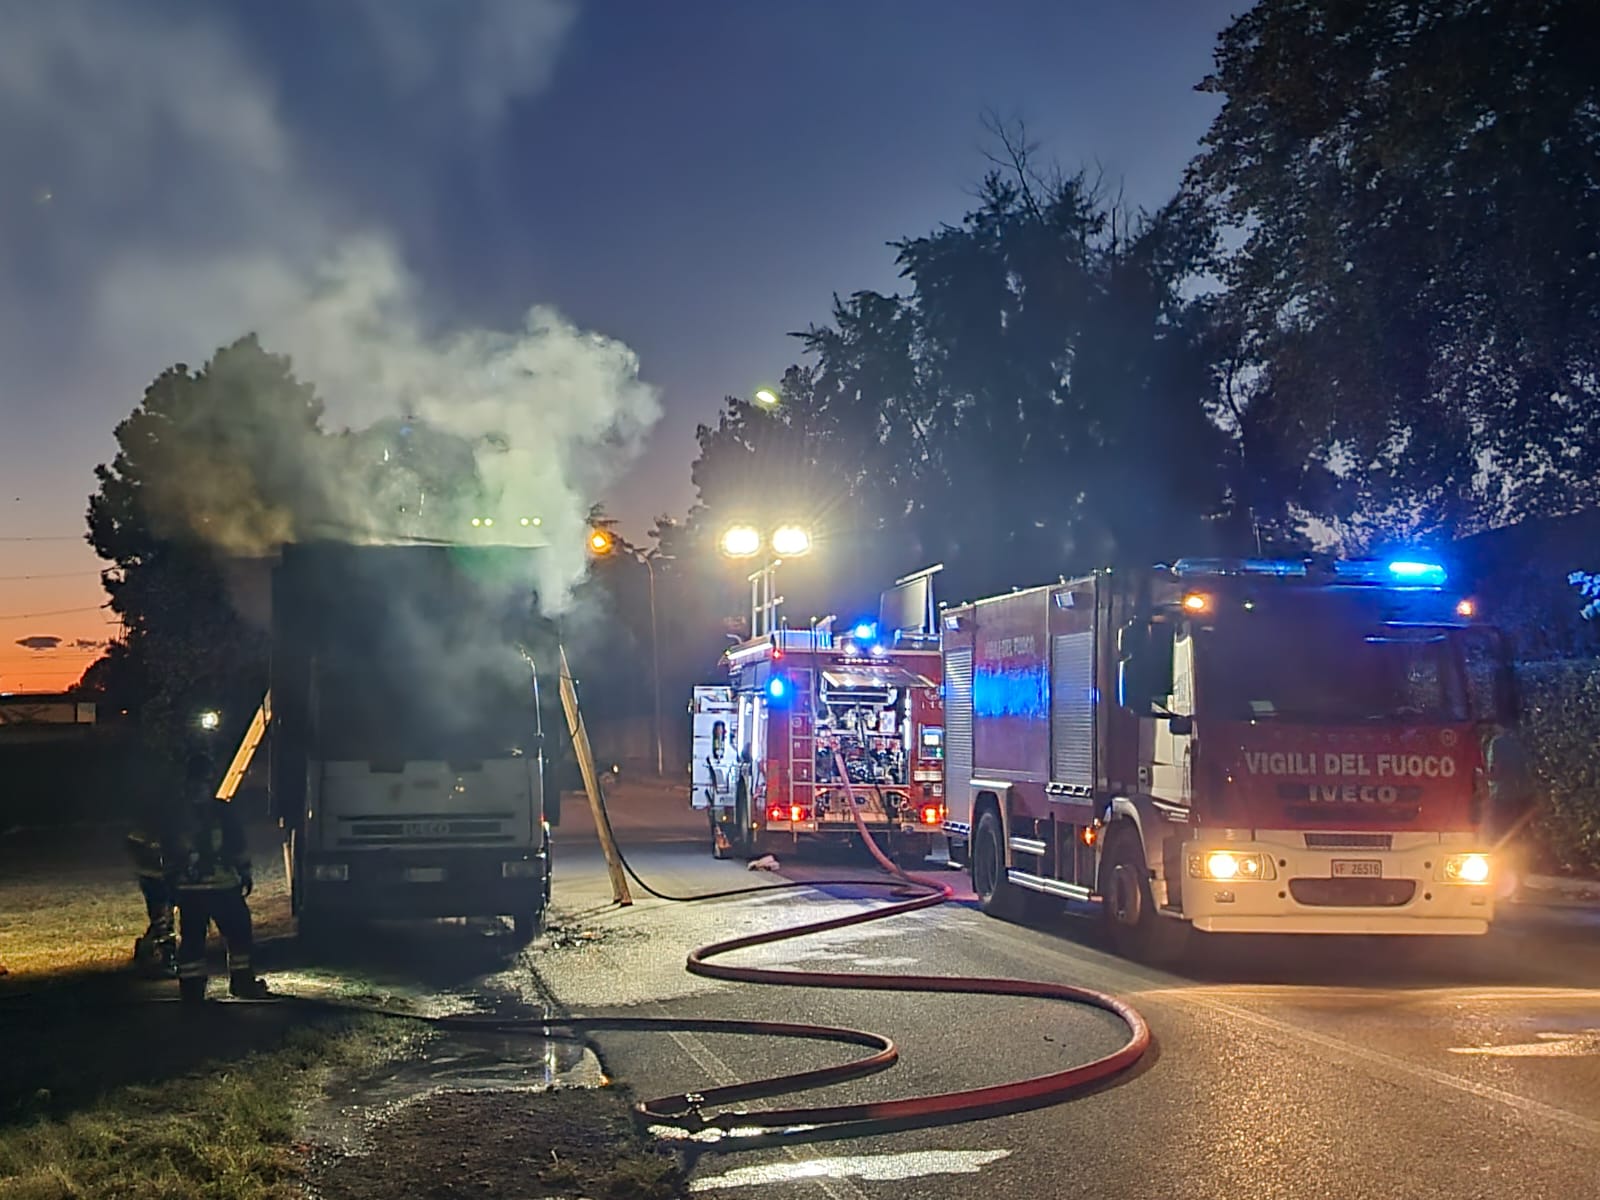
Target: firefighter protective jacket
[210, 852]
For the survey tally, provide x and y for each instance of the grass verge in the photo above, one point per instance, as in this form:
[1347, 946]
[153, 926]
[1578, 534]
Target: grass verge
[504, 1145]
[70, 909]
[225, 1131]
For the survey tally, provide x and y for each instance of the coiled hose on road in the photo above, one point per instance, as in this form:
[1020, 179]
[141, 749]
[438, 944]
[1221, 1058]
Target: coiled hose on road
[704, 1121]
[688, 1111]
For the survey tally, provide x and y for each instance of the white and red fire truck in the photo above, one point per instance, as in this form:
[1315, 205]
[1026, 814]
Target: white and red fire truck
[1229, 746]
[800, 701]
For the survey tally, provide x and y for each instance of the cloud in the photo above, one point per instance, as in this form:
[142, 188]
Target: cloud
[88, 644]
[188, 207]
[39, 641]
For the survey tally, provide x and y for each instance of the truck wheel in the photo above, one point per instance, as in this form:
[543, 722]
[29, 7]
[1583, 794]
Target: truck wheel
[745, 842]
[317, 936]
[997, 895]
[1133, 926]
[527, 926]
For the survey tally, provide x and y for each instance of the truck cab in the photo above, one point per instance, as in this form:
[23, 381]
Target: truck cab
[1233, 746]
[407, 749]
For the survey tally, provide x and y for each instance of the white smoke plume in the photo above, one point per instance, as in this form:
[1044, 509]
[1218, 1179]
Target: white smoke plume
[172, 207]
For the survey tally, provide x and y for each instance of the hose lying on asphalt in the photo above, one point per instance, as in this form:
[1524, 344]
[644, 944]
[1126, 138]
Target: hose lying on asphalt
[702, 1122]
[687, 1111]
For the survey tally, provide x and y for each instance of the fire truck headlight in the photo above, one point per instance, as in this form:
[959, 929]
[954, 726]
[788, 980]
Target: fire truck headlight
[1467, 868]
[330, 872]
[1222, 865]
[1229, 865]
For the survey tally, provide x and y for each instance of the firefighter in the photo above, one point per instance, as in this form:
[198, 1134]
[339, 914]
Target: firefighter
[155, 952]
[209, 869]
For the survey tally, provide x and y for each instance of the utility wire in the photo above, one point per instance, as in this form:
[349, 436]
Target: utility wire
[53, 575]
[55, 612]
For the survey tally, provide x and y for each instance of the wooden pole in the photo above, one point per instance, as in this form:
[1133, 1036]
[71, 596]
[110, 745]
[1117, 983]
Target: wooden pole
[591, 781]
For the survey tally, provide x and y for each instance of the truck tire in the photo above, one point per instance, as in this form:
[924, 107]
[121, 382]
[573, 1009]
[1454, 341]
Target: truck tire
[744, 841]
[527, 926]
[317, 936]
[1134, 928]
[997, 896]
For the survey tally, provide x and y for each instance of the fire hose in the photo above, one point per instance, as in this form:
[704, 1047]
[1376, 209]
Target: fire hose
[704, 1121]
[687, 1111]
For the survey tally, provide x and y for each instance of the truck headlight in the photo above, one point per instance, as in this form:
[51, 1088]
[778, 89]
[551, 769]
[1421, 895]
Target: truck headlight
[330, 872]
[1467, 868]
[1225, 866]
[522, 868]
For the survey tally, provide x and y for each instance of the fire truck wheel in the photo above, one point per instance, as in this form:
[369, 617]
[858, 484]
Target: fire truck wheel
[744, 839]
[1133, 926]
[997, 895]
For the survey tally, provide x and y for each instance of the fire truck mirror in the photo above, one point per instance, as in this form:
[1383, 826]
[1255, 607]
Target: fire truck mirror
[1144, 669]
[1490, 676]
[1181, 725]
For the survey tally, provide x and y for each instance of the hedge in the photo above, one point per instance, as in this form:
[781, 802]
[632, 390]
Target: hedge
[1561, 730]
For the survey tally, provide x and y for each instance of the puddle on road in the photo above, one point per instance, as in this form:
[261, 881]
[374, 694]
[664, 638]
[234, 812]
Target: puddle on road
[875, 1168]
[449, 1062]
[1582, 1044]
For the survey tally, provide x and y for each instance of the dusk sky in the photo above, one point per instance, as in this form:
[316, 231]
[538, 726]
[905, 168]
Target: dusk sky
[693, 180]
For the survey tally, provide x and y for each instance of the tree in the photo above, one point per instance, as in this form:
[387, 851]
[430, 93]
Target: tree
[1403, 194]
[210, 463]
[1038, 397]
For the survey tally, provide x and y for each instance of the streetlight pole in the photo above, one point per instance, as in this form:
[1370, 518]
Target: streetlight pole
[655, 659]
[601, 543]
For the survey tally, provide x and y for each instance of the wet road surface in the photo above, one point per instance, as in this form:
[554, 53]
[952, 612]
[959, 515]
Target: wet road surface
[1281, 1068]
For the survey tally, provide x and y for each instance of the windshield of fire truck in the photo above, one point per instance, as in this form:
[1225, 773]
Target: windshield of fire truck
[1255, 669]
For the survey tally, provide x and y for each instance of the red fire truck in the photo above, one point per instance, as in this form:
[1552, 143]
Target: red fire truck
[1228, 745]
[767, 745]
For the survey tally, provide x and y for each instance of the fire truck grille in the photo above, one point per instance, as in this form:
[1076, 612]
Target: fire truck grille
[1349, 841]
[1353, 893]
[426, 829]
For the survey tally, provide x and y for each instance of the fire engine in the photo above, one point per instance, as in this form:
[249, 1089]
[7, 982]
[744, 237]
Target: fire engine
[1232, 746]
[768, 745]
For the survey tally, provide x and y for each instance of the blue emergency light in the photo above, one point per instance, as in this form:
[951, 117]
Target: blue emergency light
[777, 688]
[1410, 570]
[864, 631]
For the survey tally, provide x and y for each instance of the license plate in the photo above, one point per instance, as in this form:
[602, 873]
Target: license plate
[424, 874]
[1358, 868]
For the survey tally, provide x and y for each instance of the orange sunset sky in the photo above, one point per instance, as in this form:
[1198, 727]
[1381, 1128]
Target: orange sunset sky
[49, 589]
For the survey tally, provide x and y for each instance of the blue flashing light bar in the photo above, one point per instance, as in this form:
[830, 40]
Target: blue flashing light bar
[1414, 571]
[1398, 572]
[864, 631]
[777, 688]
[1395, 572]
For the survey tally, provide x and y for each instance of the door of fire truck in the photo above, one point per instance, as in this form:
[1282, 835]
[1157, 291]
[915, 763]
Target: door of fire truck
[751, 785]
[714, 760]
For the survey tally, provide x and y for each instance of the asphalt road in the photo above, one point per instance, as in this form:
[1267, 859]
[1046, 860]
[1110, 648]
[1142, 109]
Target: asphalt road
[1281, 1068]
